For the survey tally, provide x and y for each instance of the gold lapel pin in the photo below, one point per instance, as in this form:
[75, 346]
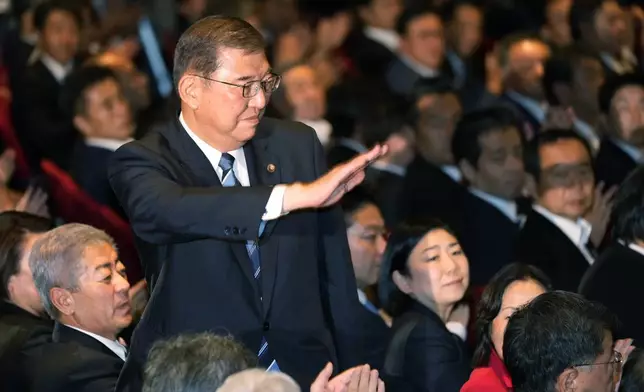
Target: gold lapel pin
[270, 168]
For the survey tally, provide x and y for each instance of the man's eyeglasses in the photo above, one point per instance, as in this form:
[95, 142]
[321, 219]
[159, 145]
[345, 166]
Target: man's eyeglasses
[250, 89]
[616, 361]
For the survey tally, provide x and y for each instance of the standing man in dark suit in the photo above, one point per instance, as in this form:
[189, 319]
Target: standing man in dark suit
[224, 205]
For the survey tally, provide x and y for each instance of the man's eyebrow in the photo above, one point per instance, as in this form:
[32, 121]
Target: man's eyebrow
[250, 78]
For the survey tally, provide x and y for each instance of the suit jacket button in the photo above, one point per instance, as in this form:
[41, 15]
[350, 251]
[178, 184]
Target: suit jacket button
[227, 230]
[235, 231]
[266, 326]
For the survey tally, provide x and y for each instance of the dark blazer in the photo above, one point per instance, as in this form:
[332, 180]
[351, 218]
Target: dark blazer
[531, 125]
[386, 187]
[434, 358]
[615, 280]
[375, 349]
[370, 57]
[89, 170]
[191, 235]
[543, 244]
[74, 362]
[428, 192]
[612, 164]
[20, 332]
[43, 129]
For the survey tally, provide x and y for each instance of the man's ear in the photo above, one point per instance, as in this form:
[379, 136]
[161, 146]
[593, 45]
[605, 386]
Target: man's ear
[190, 90]
[468, 171]
[62, 300]
[82, 125]
[567, 381]
[402, 282]
[530, 188]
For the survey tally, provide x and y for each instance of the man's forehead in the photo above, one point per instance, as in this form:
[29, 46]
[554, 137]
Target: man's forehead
[237, 63]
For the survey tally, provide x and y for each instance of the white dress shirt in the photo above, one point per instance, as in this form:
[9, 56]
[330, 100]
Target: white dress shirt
[116, 347]
[58, 70]
[108, 144]
[452, 172]
[578, 232]
[507, 207]
[633, 152]
[385, 37]
[274, 206]
[637, 248]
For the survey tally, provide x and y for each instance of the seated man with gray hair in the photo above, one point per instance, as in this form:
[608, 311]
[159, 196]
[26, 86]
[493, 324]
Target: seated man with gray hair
[82, 286]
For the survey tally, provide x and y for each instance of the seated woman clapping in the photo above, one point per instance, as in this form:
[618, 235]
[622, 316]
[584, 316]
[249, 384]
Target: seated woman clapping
[424, 276]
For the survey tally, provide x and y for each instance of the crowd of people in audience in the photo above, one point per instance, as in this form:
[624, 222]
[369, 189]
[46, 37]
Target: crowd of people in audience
[496, 247]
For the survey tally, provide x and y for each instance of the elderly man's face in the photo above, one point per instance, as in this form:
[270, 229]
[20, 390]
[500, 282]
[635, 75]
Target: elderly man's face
[101, 305]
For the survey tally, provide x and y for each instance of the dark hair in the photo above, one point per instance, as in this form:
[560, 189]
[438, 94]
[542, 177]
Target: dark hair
[555, 331]
[376, 126]
[353, 201]
[627, 214]
[531, 159]
[14, 226]
[582, 15]
[198, 363]
[466, 142]
[412, 13]
[615, 83]
[400, 244]
[633, 373]
[44, 9]
[198, 47]
[491, 301]
[450, 8]
[435, 85]
[72, 98]
[509, 41]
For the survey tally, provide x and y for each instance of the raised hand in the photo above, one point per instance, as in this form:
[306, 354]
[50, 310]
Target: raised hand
[34, 201]
[599, 214]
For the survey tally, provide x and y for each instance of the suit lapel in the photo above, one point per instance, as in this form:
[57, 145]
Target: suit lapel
[64, 334]
[195, 163]
[264, 168]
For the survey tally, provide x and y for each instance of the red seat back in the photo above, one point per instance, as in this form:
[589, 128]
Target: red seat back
[74, 205]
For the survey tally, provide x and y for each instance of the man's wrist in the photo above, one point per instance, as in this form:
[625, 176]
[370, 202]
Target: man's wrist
[294, 197]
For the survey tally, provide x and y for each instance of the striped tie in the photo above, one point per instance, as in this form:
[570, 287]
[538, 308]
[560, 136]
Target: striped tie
[229, 179]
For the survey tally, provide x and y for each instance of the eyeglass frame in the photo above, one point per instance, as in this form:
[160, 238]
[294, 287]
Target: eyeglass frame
[247, 85]
[617, 359]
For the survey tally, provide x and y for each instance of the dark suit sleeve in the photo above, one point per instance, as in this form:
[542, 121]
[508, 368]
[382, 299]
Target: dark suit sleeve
[338, 280]
[163, 211]
[434, 360]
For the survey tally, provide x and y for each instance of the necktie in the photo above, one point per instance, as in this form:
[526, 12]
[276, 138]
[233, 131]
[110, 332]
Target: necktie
[228, 179]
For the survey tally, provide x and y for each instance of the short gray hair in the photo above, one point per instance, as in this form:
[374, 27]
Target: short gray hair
[196, 363]
[256, 380]
[56, 259]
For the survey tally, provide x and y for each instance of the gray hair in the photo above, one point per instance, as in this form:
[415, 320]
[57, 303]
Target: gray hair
[195, 363]
[56, 259]
[256, 380]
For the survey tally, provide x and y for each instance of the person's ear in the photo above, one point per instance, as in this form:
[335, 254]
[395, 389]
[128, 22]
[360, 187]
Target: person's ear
[62, 300]
[567, 381]
[402, 282]
[83, 126]
[469, 172]
[530, 187]
[190, 90]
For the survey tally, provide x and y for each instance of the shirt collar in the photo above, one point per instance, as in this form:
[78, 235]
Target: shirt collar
[58, 70]
[587, 131]
[385, 37]
[507, 207]
[577, 231]
[452, 172]
[390, 167]
[352, 144]
[633, 152]
[637, 248]
[626, 64]
[106, 143]
[534, 107]
[420, 69]
[116, 347]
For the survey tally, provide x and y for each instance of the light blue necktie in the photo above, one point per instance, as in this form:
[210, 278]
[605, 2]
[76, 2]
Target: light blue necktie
[228, 180]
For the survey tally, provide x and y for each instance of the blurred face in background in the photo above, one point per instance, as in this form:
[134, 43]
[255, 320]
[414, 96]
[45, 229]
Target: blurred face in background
[134, 83]
[588, 76]
[439, 114]
[381, 14]
[424, 41]
[567, 181]
[556, 30]
[60, 36]
[466, 30]
[524, 70]
[612, 27]
[107, 113]
[627, 115]
[304, 93]
[278, 15]
[367, 243]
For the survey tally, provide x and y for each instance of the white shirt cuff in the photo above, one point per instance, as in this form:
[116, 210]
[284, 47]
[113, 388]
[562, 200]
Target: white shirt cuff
[274, 206]
[457, 329]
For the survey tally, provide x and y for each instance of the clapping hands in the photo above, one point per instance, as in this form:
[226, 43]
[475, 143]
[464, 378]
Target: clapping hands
[357, 379]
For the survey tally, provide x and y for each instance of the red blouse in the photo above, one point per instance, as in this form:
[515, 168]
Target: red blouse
[493, 378]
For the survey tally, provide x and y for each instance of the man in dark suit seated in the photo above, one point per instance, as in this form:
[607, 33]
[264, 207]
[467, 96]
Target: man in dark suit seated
[83, 287]
[621, 101]
[488, 146]
[555, 236]
[615, 279]
[103, 117]
[229, 211]
[23, 323]
[44, 131]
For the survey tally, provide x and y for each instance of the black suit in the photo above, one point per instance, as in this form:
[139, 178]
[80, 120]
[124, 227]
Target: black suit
[386, 187]
[531, 125]
[612, 164]
[20, 332]
[74, 362]
[615, 280]
[543, 244]
[375, 349]
[89, 170]
[435, 360]
[370, 57]
[191, 234]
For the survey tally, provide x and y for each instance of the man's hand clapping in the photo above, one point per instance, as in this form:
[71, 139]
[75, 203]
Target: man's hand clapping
[357, 379]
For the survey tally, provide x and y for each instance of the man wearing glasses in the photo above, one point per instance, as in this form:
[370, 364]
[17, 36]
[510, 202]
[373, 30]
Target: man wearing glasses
[234, 219]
